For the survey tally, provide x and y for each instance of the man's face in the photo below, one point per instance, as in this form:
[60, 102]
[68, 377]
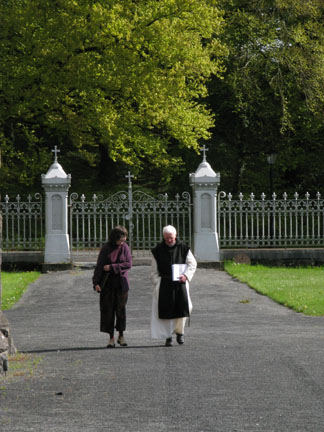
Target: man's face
[170, 239]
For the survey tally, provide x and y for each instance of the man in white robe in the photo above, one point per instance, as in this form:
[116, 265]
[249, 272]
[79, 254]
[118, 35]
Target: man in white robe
[171, 303]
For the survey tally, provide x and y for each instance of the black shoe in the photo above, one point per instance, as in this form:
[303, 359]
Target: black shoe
[168, 342]
[180, 339]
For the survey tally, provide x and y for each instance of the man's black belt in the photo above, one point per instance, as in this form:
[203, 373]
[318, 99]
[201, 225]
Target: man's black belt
[164, 276]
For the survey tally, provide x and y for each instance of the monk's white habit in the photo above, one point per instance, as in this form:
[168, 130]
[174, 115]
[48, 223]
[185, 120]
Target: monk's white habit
[164, 328]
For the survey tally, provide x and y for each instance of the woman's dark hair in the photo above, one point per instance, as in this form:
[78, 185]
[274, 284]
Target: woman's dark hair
[122, 228]
[116, 234]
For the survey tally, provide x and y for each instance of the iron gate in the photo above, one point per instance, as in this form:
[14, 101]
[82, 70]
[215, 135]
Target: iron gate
[143, 215]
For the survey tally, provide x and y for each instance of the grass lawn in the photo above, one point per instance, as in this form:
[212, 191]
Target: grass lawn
[14, 284]
[301, 289]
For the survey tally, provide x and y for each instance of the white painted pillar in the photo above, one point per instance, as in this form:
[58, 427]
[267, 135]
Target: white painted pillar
[205, 183]
[56, 184]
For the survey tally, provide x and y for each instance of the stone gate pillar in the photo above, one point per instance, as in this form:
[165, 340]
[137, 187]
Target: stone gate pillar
[205, 183]
[56, 184]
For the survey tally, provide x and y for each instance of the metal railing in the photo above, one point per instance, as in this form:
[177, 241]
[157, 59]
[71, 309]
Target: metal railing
[143, 215]
[242, 223]
[22, 223]
[280, 223]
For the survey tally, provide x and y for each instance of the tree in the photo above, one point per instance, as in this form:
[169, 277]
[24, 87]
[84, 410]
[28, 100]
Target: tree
[105, 79]
[271, 98]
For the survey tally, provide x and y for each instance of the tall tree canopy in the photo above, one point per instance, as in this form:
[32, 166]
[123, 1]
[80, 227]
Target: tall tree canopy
[105, 79]
[139, 84]
[272, 96]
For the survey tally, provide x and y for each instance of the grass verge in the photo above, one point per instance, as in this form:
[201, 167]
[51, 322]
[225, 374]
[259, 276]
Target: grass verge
[21, 365]
[14, 284]
[301, 289]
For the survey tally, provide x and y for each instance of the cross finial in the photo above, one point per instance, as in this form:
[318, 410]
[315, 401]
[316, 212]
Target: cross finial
[129, 176]
[55, 151]
[203, 149]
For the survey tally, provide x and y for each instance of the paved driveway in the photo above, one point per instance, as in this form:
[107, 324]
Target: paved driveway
[248, 364]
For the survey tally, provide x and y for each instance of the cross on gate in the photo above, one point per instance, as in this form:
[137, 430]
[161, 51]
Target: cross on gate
[203, 149]
[129, 176]
[55, 151]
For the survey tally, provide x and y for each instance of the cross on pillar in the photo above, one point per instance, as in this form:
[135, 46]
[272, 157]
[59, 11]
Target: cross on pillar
[129, 176]
[203, 149]
[55, 151]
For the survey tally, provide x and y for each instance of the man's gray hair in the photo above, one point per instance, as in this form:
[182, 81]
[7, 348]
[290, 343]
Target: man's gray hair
[169, 229]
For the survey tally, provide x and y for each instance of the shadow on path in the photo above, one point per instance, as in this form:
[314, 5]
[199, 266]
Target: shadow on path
[89, 349]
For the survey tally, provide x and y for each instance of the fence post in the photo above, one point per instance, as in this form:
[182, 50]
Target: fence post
[205, 183]
[130, 210]
[56, 184]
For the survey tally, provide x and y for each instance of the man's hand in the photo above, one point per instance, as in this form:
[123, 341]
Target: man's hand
[97, 288]
[182, 278]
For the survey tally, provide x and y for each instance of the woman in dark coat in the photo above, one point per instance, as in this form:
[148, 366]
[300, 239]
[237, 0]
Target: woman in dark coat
[110, 279]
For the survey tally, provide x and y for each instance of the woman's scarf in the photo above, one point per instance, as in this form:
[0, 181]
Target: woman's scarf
[113, 254]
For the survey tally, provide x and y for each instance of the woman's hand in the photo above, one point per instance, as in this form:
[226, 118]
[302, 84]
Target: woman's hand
[98, 288]
[107, 267]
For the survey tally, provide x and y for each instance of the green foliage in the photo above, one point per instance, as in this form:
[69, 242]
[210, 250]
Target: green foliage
[14, 285]
[271, 98]
[138, 85]
[300, 289]
[127, 77]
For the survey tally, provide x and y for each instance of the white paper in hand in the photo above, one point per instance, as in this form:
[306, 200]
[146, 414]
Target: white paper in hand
[178, 270]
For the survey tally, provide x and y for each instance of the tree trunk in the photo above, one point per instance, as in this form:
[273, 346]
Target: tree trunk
[107, 167]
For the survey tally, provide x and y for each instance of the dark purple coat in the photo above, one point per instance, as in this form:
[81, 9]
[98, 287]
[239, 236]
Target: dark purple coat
[120, 267]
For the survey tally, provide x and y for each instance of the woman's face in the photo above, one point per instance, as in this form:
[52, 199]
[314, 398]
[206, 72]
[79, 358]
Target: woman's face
[121, 241]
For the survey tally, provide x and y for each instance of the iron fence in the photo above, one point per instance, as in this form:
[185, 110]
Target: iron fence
[242, 223]
[280, 223]
[143, 215]
[22, 223]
